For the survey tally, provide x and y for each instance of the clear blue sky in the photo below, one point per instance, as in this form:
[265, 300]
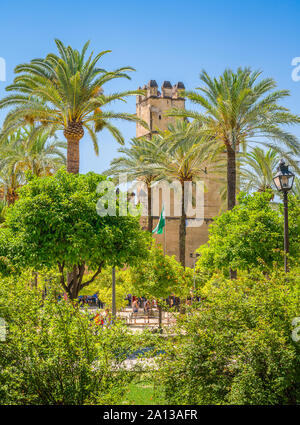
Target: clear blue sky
[163, 40]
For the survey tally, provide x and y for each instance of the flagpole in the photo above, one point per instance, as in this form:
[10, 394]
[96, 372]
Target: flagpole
[165, 237]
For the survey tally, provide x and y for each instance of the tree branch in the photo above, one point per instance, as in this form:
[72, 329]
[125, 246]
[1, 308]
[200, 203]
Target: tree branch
[93, 277]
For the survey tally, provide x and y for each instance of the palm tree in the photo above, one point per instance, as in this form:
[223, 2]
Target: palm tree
[133, 162]
[65, 92]
[34, 150]
[183, 156]
[239, 109]
[258, 168]
[28, 149]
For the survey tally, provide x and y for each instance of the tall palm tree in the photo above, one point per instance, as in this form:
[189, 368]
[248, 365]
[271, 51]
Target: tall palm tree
[183, 156]
[65, 92]
[136, 166]
[238, 108]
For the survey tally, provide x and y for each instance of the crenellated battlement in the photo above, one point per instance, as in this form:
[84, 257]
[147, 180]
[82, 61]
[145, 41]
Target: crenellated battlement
[152, 106]
[167, 91]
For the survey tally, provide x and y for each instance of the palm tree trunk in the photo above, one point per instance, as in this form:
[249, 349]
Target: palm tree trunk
[150, 218]
[231, 178]
[73, 156]
[231, 189]
[182, 230]
[11, 197]
[72, 167]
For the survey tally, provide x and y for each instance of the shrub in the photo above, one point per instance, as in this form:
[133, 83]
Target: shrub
[236, 348]
[54, 353]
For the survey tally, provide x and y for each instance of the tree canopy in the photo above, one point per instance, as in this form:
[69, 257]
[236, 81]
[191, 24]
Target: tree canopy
[55, 224]
[250, 235]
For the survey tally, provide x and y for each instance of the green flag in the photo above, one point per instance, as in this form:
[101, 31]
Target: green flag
[159, 229]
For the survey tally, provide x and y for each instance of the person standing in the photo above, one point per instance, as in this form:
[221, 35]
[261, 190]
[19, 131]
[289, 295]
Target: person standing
[135, 309]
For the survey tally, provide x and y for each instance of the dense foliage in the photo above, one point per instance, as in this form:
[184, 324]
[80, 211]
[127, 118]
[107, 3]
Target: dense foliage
[250, 235]
[237, 346]
[54, 353]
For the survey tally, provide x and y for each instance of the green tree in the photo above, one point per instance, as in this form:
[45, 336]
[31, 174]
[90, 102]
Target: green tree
[55, 224]
[250, 235]
[238, 108]
[65, 92]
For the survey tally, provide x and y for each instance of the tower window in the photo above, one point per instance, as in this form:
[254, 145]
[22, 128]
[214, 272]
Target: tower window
[159, 117]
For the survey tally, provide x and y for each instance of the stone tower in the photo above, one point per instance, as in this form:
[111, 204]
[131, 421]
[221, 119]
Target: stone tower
[152, 106]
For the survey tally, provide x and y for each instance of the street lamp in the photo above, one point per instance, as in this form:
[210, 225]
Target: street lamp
[283, 181]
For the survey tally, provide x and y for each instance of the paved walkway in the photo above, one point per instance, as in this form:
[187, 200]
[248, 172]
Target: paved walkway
[140, 321]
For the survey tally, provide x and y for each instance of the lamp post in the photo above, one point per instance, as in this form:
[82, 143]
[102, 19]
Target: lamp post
[283, 181]
[195, 259]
